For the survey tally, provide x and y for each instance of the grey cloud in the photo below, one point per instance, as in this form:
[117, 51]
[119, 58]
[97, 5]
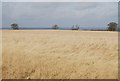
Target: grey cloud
[63, 13]
[0, 14]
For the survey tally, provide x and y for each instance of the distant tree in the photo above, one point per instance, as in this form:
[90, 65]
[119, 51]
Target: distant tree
[112, 26]
[55, 26]
[75, 27]
[15, 26]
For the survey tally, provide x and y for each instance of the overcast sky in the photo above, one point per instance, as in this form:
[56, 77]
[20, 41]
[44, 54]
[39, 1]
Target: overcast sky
[59, 0]
[0, 15]
[64, 14]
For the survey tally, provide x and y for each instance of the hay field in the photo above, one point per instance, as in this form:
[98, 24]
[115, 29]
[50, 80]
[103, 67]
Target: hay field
[59, 54]
[0, 55]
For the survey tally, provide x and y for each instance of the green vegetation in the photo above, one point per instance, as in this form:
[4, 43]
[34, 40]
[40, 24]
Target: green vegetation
[55, 27]
[75, 27]
[112, 26]
[15, 26]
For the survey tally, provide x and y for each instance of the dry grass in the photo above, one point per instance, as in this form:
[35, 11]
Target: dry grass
[0, 55]
[60, 54]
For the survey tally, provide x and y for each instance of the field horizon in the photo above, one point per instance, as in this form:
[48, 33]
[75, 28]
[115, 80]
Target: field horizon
[59, 54]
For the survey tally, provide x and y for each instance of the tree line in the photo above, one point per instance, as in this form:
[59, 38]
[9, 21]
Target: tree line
[112, 26]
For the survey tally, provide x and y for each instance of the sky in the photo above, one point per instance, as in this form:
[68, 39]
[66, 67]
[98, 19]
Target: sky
[1, 15]
[64, 14]
[59, 0]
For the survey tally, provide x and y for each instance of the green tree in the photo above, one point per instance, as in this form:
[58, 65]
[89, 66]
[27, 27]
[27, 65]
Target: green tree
[75, 27]
[112, 26]
[55, 26]
[15, 26]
